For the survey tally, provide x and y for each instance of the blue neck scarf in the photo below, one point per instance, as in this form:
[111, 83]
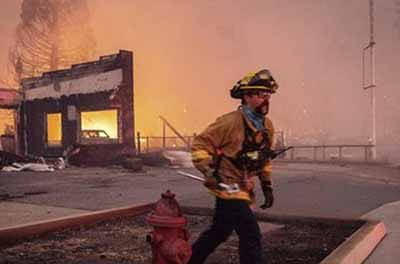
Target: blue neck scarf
[256, 119]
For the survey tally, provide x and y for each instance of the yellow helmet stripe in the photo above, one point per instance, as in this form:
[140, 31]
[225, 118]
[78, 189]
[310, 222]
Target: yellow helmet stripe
[259, 87]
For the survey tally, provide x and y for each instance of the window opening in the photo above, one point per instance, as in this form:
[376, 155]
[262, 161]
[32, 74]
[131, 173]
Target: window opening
[54, 129]
[99, 127]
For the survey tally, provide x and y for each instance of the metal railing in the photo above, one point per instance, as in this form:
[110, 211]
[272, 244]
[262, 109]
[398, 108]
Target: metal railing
[145, 144]
[331, 152]
[300, 152]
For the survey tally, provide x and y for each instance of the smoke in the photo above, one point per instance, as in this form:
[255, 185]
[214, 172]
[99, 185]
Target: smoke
[188, 54]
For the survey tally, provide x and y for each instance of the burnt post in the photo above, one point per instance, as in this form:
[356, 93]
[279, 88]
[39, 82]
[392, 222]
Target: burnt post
[138, 143]
[163, 136]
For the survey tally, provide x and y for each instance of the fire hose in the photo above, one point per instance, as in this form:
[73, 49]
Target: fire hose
[229, 188]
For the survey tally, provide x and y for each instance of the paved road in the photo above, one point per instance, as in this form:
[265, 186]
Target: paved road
[331, 190]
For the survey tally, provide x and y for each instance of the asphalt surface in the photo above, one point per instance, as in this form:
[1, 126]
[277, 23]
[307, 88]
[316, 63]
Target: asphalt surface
[341, 190]
[330, 190]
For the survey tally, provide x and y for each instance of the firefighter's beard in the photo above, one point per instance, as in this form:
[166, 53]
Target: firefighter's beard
[263, 108]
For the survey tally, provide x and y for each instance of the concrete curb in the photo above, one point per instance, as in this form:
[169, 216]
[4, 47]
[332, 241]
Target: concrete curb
[12, 233]
[268, 217]
[359, 246]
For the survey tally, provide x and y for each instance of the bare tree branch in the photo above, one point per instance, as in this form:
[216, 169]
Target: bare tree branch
[52, 34]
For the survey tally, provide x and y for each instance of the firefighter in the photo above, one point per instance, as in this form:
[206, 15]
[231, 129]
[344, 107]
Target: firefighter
[229, 151]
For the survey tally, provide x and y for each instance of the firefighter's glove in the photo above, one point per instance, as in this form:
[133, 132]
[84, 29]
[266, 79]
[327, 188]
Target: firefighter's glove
[268, 195]
[211, 181]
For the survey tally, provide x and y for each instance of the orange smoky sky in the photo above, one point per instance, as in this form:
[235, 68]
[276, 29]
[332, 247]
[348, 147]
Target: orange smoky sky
[188, 54]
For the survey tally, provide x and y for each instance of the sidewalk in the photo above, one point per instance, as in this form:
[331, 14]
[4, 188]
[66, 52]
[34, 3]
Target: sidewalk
[387, 251]
[13, 213]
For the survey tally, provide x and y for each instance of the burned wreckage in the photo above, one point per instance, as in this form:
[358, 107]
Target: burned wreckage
[84, 113]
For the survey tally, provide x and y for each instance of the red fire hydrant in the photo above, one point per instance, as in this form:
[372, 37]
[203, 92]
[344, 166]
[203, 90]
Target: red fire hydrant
[169, 239]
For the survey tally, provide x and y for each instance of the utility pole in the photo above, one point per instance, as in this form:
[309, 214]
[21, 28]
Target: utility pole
[371, 85]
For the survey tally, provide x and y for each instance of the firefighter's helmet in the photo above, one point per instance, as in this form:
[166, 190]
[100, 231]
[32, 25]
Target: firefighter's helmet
[253, 81]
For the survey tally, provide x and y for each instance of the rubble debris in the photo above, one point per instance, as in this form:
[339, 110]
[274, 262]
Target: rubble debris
[8, 158]
[154, 159]
[132, 163]
[59, 164]
[27, 167]
[170, 158]
[70, 155]
[10, 162]
[178, 159]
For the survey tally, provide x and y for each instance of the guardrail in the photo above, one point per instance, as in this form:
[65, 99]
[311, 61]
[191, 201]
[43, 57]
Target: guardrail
[330, 152]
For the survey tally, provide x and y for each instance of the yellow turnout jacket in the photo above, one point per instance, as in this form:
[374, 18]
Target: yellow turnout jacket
[226, 136]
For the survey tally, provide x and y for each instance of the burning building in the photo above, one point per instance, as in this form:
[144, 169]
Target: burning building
[89, 106]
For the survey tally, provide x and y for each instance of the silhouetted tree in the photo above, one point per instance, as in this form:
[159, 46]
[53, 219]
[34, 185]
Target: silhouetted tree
[52, 34]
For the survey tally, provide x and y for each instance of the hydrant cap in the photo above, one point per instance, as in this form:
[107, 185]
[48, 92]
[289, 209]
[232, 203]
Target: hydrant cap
[167, 212]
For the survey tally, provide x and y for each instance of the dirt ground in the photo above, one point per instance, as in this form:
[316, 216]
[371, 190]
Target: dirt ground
[124, 241]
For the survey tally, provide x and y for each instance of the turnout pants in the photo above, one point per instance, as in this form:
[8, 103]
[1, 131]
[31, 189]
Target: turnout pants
[230, 215]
